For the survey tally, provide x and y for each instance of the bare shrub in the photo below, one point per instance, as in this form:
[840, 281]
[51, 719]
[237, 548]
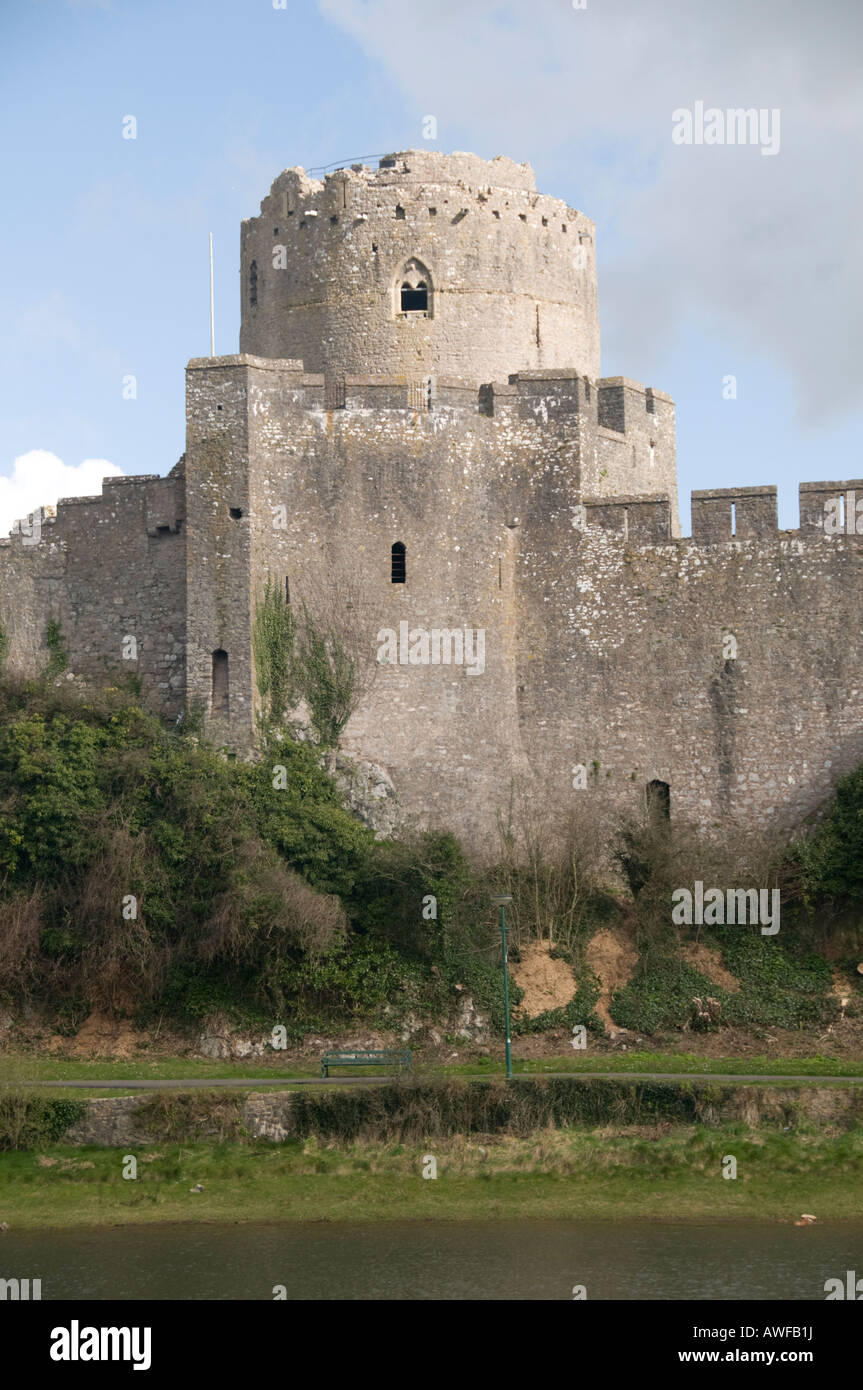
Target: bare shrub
[119, 961]
[659, 856]
[553, 865]
[21, 963]
[187, 1117]
[269, 911]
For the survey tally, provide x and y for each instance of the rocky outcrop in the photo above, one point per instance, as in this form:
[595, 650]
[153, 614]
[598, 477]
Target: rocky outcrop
[219, 1041]
[367, 788]
[470, 1021]
[369, 794]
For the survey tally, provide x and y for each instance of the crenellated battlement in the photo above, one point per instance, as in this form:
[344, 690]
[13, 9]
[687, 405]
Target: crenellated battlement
[832, 508]
[106, 568]
[723, 515]
[616, 406]
[639, 520]
[496, 189]
[159, 501]
[720, 514]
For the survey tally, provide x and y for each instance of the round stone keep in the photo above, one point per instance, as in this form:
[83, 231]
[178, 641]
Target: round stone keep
[430, 266]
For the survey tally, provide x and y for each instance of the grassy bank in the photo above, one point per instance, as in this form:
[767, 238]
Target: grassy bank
[21, 1068]
[607, 1174]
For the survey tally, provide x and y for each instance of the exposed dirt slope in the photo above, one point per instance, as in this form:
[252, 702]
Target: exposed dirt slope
[612, 956]
[547, 983]
[708, 961]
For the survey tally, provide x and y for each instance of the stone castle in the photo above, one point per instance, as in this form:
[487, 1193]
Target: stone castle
[417, 402]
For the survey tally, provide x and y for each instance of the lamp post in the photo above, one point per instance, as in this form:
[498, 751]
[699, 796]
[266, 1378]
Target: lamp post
[501, 901]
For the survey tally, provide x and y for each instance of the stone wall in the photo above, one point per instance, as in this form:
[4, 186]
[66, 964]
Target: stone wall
[104, 569]
[218, 547]
[728, 669]
[329, 494]
[111, 1123]
[116, 1122]
[603, 644]
[605, 636]
[635, 444]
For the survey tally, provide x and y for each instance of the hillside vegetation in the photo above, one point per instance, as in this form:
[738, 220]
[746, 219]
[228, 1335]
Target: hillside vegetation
[144, 873]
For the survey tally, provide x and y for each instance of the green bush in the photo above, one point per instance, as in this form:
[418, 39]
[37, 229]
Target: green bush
[259, 895]
[777, 989]
[102, 803]
[361, 980]
[29, 1122]
[660, 994]
[832, 862]
[416, 1111]
[391, 894]
[305, 822]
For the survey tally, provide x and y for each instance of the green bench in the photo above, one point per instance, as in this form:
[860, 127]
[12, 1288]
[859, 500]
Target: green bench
[378, 1058]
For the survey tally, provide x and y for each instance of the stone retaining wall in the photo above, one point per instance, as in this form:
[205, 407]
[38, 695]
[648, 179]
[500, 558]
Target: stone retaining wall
[114, 1122]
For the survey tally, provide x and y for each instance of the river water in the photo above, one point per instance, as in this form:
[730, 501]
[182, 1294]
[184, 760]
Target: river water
[505, 1260]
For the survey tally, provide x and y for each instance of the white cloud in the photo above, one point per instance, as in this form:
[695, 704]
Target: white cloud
[761, 249]
[39, 478]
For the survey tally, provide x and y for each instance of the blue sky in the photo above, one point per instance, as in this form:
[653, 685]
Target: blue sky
[711, 261]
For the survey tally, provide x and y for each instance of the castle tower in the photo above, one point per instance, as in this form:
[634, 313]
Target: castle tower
[416, 413]
[415, 440]
[432, 265]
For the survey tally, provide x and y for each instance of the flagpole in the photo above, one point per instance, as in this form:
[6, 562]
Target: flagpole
[212, 305]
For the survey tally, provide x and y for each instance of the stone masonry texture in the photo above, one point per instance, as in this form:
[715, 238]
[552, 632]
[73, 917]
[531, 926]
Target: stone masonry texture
[116, 1121]
[535, 499]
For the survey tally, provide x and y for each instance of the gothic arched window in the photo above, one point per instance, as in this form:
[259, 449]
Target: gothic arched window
[413, 289]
